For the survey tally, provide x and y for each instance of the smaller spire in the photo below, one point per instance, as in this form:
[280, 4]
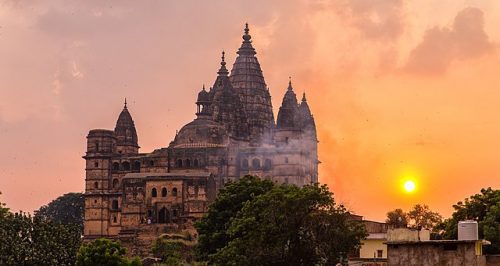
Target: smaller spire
[223, 70]
[304, 97]
[246, 36]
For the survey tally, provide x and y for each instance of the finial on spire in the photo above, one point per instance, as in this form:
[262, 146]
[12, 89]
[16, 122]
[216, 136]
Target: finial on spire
[246, 36]
[304, 97]
[125, 107]
[223, 69]
[204, 86]
[290, 83]
[246, 28]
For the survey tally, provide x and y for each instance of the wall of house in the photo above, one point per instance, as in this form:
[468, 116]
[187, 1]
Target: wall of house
[370, 246]
[427, 254]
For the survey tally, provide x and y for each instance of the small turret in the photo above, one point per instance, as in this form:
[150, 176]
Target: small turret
[306, 118]
[203, 102]
[288, 113]
[126, 135]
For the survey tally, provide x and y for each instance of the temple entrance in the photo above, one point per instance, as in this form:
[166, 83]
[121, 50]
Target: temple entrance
[163, 216]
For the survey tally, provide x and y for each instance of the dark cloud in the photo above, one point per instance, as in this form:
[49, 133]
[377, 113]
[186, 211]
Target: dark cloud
[465, 39]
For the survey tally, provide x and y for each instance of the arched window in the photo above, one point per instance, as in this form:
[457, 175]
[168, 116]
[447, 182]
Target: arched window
[164, 192]
[97, 146]
[174, 192]
[136, 166]
[195, 163]
[115, 183]
[268, 164]
[188, 163]
[114, 219]
[179, 163]
[244, 164]
[151, 163]
[96, 184]
[114, 205]
[154, 193]
[116, 166]
[96, 164]
[174, 213]
[126, 166]
[256, 163]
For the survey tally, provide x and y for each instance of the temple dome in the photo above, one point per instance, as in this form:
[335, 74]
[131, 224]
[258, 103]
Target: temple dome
[201, 132]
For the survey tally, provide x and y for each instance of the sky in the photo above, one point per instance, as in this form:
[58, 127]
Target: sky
[399, 89]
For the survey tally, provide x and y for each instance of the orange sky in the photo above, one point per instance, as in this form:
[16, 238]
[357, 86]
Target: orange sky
[396, 87]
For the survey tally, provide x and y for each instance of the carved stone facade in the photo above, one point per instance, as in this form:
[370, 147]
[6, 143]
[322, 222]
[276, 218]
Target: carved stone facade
[233, 135]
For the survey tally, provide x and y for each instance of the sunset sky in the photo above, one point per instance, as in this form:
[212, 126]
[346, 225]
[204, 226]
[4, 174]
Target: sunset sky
[399, 89]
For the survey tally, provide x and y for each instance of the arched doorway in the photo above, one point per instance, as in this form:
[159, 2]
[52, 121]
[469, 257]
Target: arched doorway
[163, 216]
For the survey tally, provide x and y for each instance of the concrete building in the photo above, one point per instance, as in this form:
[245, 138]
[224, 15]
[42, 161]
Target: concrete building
[436, 252]
[129, 194]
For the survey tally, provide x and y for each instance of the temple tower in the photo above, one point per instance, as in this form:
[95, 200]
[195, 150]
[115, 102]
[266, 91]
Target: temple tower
[246, 77]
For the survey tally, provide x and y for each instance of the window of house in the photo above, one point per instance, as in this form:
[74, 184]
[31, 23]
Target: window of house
[154, 193]
[151, 163]
[286, 159]
[97, 146]
[380, 253]
[179, 163]
[96, 164]
[115, 183]
[256, 163]
[114, 219]
[174, 192]
[164, 192]
[267, 164]
[114, 204]
[96, 184]
[174, 213]
[286, 140]
[137, 166]
[116, 166]
[195, 163]
[126, 166]
[188, 163]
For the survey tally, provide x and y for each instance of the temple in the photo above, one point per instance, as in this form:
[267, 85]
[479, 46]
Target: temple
[132, 194]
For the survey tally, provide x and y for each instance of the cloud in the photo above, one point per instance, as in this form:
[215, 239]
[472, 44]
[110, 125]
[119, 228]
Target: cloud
[382, 20]
[465, 39]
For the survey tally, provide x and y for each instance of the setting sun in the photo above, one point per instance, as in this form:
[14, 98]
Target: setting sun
[409, 186]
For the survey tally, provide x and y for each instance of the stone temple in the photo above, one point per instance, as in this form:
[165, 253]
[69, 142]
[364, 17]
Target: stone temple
[132, 194]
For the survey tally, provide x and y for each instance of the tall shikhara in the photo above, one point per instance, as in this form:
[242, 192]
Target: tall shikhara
[247, 78]
[133, 195]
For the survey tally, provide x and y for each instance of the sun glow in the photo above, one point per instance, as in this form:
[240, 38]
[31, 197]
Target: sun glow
[409, 186]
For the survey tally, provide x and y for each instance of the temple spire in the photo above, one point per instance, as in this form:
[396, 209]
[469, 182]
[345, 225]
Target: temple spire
[223, 70]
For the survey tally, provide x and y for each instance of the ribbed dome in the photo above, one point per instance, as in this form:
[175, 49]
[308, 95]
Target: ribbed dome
[126, 135]
[201, 132]
[288, 113]
[203, 96]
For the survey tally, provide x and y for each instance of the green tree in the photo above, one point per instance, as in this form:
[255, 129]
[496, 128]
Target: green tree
[421, 216]
[3, 210]
[34, 241]
[397, 218]
[104, 252]
[289, 225]
[483, 208]
[66, 209]
[212, 228]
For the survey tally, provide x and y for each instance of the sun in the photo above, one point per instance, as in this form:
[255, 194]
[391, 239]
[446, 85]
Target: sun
[409, 186]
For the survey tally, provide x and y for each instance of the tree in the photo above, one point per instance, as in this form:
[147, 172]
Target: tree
[289, 225]
[35, 241]
[397, 218]
[212, 228]
[104, 252]
[483, 208]
[3, 210]
[66, 209]
[422, 217]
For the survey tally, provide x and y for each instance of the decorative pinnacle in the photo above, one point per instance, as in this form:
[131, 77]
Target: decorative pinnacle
[223, 69]
[304, 97]
[125, 107]
[290, 83]
[246, 28]
[246, 36]
[203, 86]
